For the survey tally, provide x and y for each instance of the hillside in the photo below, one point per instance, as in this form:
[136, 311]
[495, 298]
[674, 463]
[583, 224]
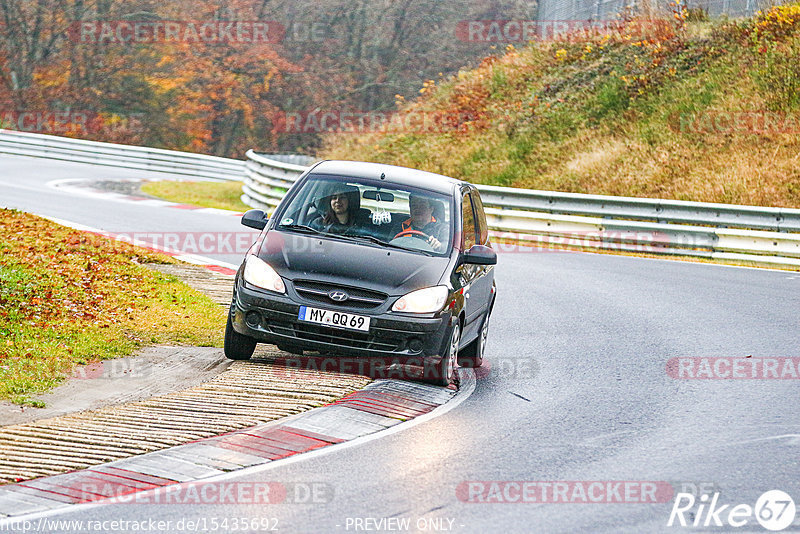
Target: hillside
[685, 109]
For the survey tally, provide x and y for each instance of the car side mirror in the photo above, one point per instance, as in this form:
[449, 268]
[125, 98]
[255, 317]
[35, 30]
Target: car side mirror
[255, 219]
[479, 255]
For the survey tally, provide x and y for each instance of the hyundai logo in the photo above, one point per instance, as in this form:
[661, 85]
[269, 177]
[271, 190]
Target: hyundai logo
[338, 296]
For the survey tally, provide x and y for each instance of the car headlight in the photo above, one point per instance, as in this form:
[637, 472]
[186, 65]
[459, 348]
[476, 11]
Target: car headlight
[260, 274]
[428, 300]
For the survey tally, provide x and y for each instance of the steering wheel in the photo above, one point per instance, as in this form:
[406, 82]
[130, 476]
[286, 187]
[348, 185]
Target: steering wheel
[413, 233]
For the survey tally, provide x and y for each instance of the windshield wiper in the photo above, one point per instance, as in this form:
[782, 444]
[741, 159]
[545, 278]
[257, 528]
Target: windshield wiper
[392, 245]
[310, 230]
[305, 229]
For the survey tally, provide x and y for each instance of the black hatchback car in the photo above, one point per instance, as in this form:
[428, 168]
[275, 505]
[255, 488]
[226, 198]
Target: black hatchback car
[369, 260]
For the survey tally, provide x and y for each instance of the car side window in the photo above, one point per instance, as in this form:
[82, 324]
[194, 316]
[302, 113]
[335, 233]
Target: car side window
[483, 228]
[468, 222]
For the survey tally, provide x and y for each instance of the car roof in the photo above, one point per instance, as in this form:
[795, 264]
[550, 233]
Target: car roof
[394, 174]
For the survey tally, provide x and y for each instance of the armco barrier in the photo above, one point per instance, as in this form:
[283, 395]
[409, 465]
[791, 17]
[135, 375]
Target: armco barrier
[645, 209]
[267, 179]
[719, 231]
[124, 156]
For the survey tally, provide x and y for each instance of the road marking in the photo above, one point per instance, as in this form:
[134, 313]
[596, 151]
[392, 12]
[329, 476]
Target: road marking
[194, 259]
[82, 187]
[794, 439]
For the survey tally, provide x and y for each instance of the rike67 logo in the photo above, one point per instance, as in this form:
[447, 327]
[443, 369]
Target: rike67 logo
[774, 510]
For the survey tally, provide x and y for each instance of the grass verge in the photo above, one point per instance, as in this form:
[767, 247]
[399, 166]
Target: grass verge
[70, 298]
[221, 195]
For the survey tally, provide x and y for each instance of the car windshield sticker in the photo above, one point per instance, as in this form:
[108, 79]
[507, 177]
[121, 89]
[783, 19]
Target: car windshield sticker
[287, 221]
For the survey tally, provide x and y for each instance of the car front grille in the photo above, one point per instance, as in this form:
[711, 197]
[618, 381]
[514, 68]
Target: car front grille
[343, 338]
[314, 291]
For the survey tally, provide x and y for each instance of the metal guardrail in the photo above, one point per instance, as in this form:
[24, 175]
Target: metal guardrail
[644, 209]
[544, 219]
[268, 178]
[123, 156]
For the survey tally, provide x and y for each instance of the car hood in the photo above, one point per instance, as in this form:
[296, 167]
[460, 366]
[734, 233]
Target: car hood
[392, 271]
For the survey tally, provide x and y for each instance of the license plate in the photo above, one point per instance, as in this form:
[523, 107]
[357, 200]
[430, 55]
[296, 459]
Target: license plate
[335, 319]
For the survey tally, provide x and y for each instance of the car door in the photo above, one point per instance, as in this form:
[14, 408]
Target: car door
[481, 292]
[469, 273]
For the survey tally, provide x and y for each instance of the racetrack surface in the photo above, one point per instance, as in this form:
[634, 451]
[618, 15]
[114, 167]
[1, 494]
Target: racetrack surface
[24, 185]
[578, 391]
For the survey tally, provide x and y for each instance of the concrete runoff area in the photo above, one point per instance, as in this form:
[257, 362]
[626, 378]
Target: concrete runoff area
[195, 472]
[155, 370]
[247, 394]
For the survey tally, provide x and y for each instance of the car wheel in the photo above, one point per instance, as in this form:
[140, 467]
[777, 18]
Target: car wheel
[237, 346]
[445, 370]
[472, 355]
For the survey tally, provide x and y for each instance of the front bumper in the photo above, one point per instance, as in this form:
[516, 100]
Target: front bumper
[272, 318]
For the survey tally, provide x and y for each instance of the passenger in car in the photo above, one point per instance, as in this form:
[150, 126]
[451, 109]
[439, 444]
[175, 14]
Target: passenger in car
[341, 210]
[422, 219]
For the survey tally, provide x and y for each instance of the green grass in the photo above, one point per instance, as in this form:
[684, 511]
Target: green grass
[221, 195]
[69, 298]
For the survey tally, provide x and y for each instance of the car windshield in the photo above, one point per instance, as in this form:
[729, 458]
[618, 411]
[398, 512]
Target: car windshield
[371, 211]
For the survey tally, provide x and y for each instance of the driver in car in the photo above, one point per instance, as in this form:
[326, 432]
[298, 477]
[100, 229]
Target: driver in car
[422, 221]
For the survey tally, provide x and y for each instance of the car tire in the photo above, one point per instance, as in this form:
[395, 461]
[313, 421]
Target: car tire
[237, 346]
[472, 355]
[445, 370]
